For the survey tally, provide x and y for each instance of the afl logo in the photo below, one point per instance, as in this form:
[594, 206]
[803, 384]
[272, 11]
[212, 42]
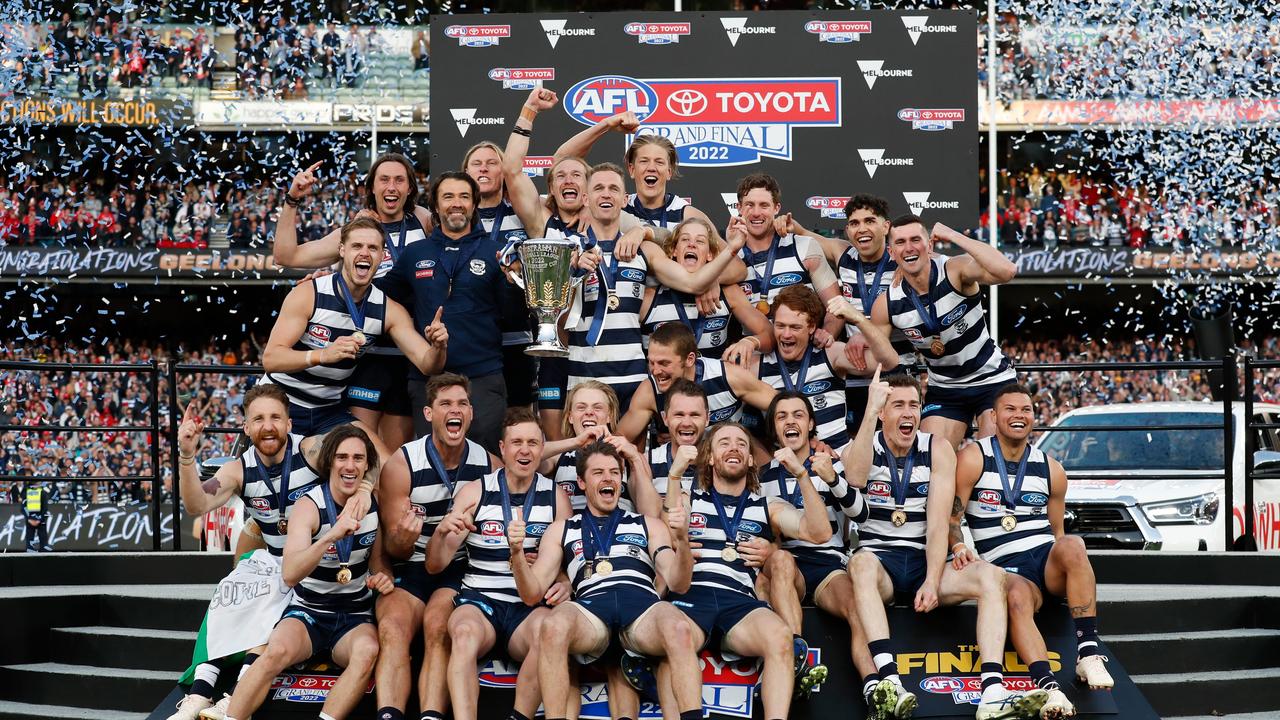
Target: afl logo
[878, 488]
[784, 279]
[815, 387]
[713, 324]
[954, 315]
[697, 520]
[601, 97]
[418, 510]
[989, 497]
[686, 102]
[260, 504]
[941, 685]
[576, 547]
[319, 332]
[1034, 499]
[491, 528]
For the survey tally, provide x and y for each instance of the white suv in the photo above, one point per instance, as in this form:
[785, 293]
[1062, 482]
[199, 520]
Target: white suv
[1163, 489]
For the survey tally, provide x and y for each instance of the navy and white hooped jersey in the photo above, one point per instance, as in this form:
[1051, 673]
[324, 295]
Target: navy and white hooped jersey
[823, 387]
[323, 385]
[715, 327]
[842, 502]
[617, 358]
[321, 590]
[430, 496]
[878, 532]
[668, 216]
[660, 459]
[488, 554]
[970, 356]
[709, 568]
[633, 567]
[722, 403]
[566, 479]
[986, 506]
[262, 498]
[847, 269]
[509, 230]
[397, 236]
[788, 268]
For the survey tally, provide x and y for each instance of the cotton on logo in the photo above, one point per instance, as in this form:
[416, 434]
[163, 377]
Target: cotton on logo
[873, 70]
[873, 158]
[686, 102]
[736, 27]
[916, 25]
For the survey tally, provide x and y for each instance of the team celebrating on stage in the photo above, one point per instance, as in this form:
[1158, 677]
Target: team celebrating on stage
[749, 419]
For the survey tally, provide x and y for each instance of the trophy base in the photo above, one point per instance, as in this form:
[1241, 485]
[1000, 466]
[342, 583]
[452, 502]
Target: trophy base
[547, 349]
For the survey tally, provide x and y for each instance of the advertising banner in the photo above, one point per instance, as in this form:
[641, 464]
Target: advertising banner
[35, 263]
[91, 527]
[829, 103]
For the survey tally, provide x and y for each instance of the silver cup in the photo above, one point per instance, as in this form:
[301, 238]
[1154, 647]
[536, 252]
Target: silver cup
[546, 278]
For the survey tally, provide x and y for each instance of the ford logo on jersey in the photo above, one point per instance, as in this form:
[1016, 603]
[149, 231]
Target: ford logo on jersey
[632, 274]
[632, 539]
[367, 538]
[293, 496]
[785, 279]
[715, 324]
[749, 527]
[421, 264]
[535, 529]
[954, 315]
[815, 387]
[922, 489]
[722, 414]
[1034, 498]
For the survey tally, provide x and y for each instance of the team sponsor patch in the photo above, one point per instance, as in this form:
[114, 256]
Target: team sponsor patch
[476, 266]
[785, 279]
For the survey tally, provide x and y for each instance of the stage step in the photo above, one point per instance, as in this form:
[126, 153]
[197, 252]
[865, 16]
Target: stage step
[159, 613]
[27, 711]
[142, 648]
[1207, 650]
[1208, 693]
[87, 686]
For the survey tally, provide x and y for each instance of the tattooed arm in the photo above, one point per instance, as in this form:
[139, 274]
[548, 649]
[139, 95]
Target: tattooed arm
[968, 470]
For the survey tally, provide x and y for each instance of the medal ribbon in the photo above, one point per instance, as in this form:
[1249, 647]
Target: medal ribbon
[437, 464]
[607, 272]
[601, 539]
[678, 301]
[900, 483]
[928, 314]
[658, 216]
[392, 246]
[795, 497]
[497, 222]
[343, 545]
[356, 311]
[800, 373]
[869, 298]
[506, 497]
[286, 467]
[1010, 495]
[730, 528]
[768, 267]
[459, 258]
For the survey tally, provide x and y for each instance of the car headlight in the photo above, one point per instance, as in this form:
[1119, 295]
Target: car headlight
[1199, 510]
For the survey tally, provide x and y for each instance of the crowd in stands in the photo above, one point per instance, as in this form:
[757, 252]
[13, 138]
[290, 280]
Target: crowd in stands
[78, 399]
[1055, 208]
[70, 211]
[283, 60]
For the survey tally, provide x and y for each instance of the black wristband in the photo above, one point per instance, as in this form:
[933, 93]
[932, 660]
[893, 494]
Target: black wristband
[522, 131]
[289, 200]
[660, 549]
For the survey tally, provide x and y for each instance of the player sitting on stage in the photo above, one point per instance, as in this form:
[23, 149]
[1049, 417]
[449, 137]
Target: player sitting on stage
[1013, 497]
[334, 563]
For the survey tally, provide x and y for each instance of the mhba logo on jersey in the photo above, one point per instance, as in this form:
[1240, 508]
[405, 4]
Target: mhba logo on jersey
[919, 202]
[838, 31]
[478, 35]
[713, 122]
[658, 33]
[917, 25]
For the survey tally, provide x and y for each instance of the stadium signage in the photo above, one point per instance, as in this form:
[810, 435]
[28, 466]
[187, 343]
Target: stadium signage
[715, 121]
[478, 35]
[90, 527]
[69, 111]
[407, 114]
[838, 31]
[664, 33]
[737, 27]
[555, 29]
[522, 78]
[931, 119]
[80, 262]
[873, 70]
[873, 159]
[917, 25]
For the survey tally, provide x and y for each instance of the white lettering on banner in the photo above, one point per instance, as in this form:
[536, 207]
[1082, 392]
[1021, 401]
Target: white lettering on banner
[838, 31]
[97, 261]
[736, 27]
[89, 527]
[478, 35]
[931, 119]
[464, 118]
[1095, 261]
[919, 202]
[730, 202]
[874, 159]
[778, 102]
[917, 25]
[406, 114]
[555, 29]
[873, 70]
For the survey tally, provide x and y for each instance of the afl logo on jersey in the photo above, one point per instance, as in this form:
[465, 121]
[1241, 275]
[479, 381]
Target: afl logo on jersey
[815, 387]
[576, 548]
[988, 497]
[418, 510]
[697, 520]
[878, 487]
[491, 528]
[261, 504]
[318, 332]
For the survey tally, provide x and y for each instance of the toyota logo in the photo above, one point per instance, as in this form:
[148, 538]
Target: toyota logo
[686, 102]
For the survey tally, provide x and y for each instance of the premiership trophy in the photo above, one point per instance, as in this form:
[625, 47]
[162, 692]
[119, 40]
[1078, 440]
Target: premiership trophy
[546, 280]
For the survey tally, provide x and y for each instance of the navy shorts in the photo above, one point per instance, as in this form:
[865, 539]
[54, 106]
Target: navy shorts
[553, 375]
[505, 617]
[413, 578]
[318, 421]
[380, 382]
[906, 569]
[325, 628]
[619, 607]
[714, 610]
[1029, 564]
[962, 404]
[815, 569]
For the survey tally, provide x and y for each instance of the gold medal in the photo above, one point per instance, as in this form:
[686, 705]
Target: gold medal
[344, 574]
[898, 517]
[284, 526]
[763, 307]
[937, 347]
[603, 568]
[1008, 522]
[729, 553]
[614, 302]
[359, 337]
